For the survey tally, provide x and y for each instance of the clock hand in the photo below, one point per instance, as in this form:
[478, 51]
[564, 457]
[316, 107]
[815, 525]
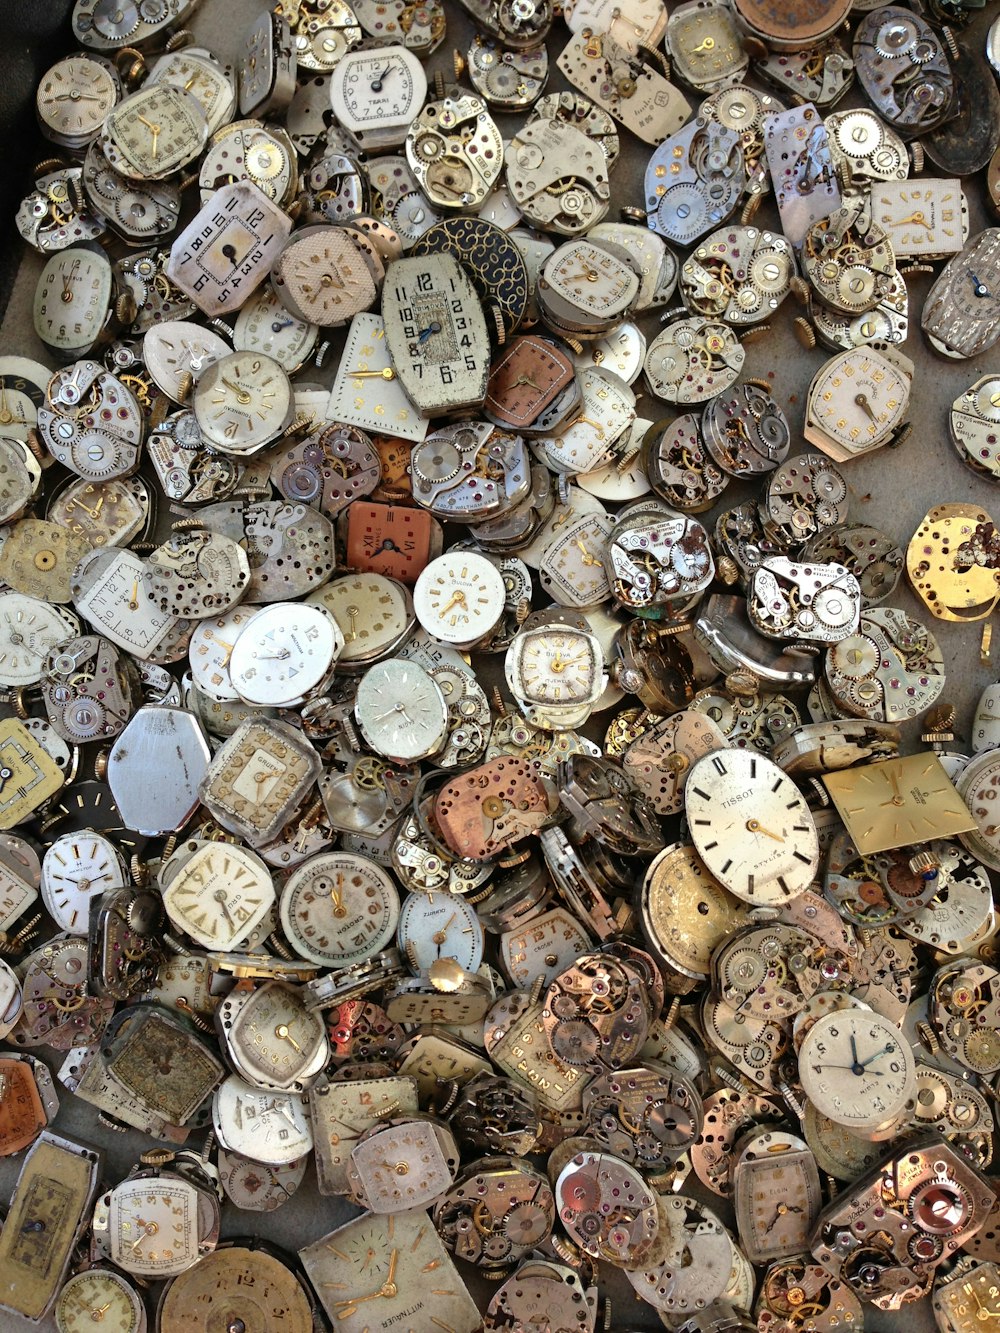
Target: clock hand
[353, 613]
[377, 83]
[387, 374]
[886, 1050]
[242, 397]
[783, 1209]
[917, 219]
[755, 826]
[220, 897]
[424, 334]
[854, 1051]
[862, 401]
[440, 935]
[558, 665]
[854, 1069]
[707, 45]
[133, 601]
[588, 559]
[282, 1110]
[979, 287]
[281, 1031]
[99, 1311]
[527, 380]
[457, 599]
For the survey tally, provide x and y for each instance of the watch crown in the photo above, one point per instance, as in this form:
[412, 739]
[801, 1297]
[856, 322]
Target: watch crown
[157, 1157]
[728, 570]
[926, 864]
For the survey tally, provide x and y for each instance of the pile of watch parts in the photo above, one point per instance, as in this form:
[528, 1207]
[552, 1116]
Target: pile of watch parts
[403, 788]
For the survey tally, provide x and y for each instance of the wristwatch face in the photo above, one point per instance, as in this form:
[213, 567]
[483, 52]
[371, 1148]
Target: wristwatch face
[556, 666]
[339, 908]
[154, 132]
[858, 1069]
[960, 312]
[436, 333]
[209, 83]
[372, 611]
[377, 1165]
[401, 710]
[593, 281]
[72, 300]
[242, 402]
[459, 597]
[320, 276]
[75, 97]
[282, 653]
[751, 826]
[101, 1290]
[373, 90]
[258, 777]
[858, 399]
[219, 893]
[264, 325]
[401, 1257]
[153, 1226]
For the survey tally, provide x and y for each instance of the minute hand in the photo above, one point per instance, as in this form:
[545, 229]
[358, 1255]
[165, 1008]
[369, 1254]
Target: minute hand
[886, 1050]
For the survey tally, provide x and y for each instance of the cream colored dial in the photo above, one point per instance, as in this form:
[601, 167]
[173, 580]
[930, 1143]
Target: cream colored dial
[216, 893]
[72, 300]
[371, 610]
[459, 597]
[858, 398]
[154, 132]
[154, 1226]
[320, 276]
[264, 325]
[857, 1069]
[198, 73]
[558, 667]
[99, 1299]
[242, 402]
[75, 97]
[592, 280]
[267, 1126]
[339, 908]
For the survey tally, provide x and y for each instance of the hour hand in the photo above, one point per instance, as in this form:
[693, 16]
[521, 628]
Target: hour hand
[978, 286]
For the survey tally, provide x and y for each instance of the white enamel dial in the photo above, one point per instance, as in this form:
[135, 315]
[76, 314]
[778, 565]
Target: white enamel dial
[858, 398]
[751, 826]
[72, 299]
[857, 1069]
[29, 629]
[439, 925]
[401, 710]
[77, 867]
[592, 280]
[216, 893]
[178, 349]
[285, 651]
[339, 908]
[109, 590]
[378, 89]
[459, 597]
[264, 325]
[271, 1127]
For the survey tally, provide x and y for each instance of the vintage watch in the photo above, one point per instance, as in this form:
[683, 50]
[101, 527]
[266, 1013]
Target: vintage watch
[246, 1282]
[397, 541]
[79, 397]
[972, 423]
[897, 802]
[259, 1187]
[544, 946]
[267, 1126]
[267, 67]
[692, 360]
[169, 741]
[751, 826]
[423, 1145]
[694, 180]
[375, 94]
[29, 775]
[154, 132]
[157, 1060]
[29, 629]
[284, 653]
[75, 97]
[454, 150]
[320, 276]
[659, 760]
[383, 1258]
[214, 892]
[226, 251]
[435, 333]
[176, 353]
[776, 1193]
[264, 325]
[967, 1299]
[258, 778]
[958, 315]
[858, 1070]
[924, 220]
[584, 288]
[858, 401]
[685, 914]
[367, 391]
[401, 711]
[470, 472]
[738, 274]
[554, 668]
[342, 1111]
[242, 402]
[77, 303]
[627, 85]
[339, 908]
[744, 430]
[93, 1294]
[904, 68]
[110, 592]
[20, 876]
[78, 866]
[105, 513]
[976, 784]
[375, 615]
[801, 163]
[270, 1038]
[48, 1211]
[459, 597]
[202, 75]
[532, 386]
[512, 1202]
[588, 1182]
[135, 1224]
[248, 152]
[23, 383]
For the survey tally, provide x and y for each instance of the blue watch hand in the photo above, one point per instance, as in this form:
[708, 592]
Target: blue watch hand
[978, 286]
[886, 1050]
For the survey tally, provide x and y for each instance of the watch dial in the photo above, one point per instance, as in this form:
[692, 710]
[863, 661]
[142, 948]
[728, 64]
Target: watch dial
[751, 826]
[858, 399]
[557, 667]
[154, 1226]
[75, 869]
[75, 97]
[264, 325]
[72, 300]
[243, 401]
[440, 925]
[154, 132]
[212, 86]
[377, 88]
[321, 276]
[858, 1069]
[99, 1297]
[339, 908]
[459, 597]
[217, 893]
[266, 1126]
[401, 710]
[591, 279]
[372, 613]
[284, 652]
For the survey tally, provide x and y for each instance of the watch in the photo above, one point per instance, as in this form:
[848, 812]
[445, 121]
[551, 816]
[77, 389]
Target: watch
[396, 540]
[396, 1259]
[239, 1284]
[685, 915]
[320, 276]
[29, 775]
[925, 219]
[367, 390]
[435, 333]
[376, 94]
[898, 801]
[858, 1069]
[216, 893]
[555, 669]
[176, 354]
[258, 1187]
[439, 925]
[375, 615]
[401, 711]
[267, 68]
[200, 74]
[270, 1038]
[959, 315]
[264, 325]
[342, 1111]
[857, 402]
[242, 402]
[423, 1145]
[110, 591]
[459, 597]
[966, 1301]
[258, 778]
[585, 289]
[226, 251]
[776, 1193]
[751, 826]
[248, 152]
[92, 1295]
[455, 150]
[78, 867]
[162, 1228]
[533, 387]
[154, 132]
[48, 1208]
[75, 97]
[284, 653]
[339, 908]
[267, 1126]
[77, 302]
[105, 513]
[23, 383]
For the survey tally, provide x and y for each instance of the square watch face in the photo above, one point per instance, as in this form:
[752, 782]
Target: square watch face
[898, 802]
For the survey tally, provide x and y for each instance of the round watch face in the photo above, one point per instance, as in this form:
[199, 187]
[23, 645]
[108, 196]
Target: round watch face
[373, 613]
[857, 1069]
[242, 402]
[154, 132]
[686, 913]
[439, 925]
[459, 597]
[98, 1297]
[72, 300]
[339, 908]
[154, 1226]
[75, 97]
[751, 826]
[321, 276]
[264, 325]
[285, 651]
[401, 710]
